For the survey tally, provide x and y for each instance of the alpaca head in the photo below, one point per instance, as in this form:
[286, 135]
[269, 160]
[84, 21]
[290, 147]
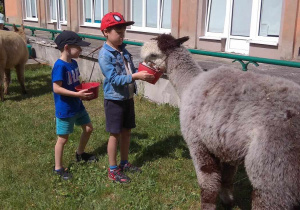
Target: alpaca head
[158, 49]
[21, 32]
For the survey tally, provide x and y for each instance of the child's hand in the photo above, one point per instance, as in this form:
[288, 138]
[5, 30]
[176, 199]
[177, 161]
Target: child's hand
[143, 75]
[83, 95]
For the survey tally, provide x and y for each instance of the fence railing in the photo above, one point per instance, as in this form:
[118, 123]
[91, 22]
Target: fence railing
[243, 60]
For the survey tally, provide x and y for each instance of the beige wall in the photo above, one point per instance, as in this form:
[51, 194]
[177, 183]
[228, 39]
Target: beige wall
[13, 11]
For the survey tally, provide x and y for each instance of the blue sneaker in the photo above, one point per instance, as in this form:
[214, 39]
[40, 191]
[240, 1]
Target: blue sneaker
[63, 173]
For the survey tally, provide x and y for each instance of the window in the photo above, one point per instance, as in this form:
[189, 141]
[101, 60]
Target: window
[253, 20]
[94, 10]
[269, 24]
[216, 16]
[30, 9]
[151, 15]
[61, 6]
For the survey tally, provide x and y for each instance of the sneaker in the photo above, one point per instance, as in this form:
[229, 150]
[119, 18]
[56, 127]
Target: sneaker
[86, 157]
[130, 168]
[63, 173]
[117, 176]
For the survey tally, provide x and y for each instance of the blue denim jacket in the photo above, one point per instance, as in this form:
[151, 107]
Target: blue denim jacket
[116, 80]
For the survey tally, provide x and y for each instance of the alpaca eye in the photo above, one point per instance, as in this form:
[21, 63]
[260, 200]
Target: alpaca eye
[153, 55]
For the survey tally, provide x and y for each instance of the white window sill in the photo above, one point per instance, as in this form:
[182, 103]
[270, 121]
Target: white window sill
[149, 30]
[32, 20]
[263, 42]
[92, 25]
[211, 38]
[54, 22]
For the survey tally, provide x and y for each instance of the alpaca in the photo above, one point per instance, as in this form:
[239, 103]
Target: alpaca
[230, 117]
[13, 53]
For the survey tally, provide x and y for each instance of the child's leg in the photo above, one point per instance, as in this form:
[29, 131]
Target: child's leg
[112, 148]
[87, 130]
[125, 143]
[59, 148]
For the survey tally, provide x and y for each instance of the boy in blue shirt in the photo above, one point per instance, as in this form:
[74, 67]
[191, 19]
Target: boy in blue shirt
[69, 109]
[119, 87]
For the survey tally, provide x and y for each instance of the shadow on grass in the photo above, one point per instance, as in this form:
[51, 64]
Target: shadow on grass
[160, 149]
[35, 86]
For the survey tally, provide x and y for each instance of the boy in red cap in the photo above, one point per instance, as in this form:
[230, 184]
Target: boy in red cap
[119, 87]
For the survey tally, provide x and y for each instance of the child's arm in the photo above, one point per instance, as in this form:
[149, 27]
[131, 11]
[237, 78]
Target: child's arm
[58, 89]
[109, 71]
[142, 75]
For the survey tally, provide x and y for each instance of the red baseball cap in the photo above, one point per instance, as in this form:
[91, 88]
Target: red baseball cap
[113, 19]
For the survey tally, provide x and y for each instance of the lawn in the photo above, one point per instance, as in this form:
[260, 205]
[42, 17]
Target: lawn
[27, 139]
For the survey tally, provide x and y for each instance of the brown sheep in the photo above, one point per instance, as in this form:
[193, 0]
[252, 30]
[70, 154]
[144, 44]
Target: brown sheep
[13, 53]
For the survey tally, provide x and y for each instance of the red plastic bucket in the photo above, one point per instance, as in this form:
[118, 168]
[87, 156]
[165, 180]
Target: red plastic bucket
[93, 87]
[157, 74]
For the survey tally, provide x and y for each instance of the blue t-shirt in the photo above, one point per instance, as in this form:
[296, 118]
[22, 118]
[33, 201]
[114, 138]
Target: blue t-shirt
[68, 73]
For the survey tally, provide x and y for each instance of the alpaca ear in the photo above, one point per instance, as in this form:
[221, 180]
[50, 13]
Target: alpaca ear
[15, 28]
[22, 26]
[181, 40]
[167, 42]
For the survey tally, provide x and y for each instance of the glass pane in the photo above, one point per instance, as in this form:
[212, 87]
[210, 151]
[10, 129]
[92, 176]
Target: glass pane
[241, 18]
[166, 14]
[97, 11]
[87, 11]
[270, 18]
[28, 5]
[217, 16]
[53, 9]
[137, 8]
[151, 13]
[61, 11]
[105, 7]
[65, 7]
[33, 8]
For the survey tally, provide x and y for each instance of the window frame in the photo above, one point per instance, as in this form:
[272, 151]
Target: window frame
[58, 10]
[144, 28]
[254, 26]
[36, 11]
[92, 23]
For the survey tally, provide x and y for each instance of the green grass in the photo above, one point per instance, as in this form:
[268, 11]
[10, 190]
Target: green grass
[27, 139]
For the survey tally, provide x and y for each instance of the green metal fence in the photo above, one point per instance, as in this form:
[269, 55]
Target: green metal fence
[243, 60]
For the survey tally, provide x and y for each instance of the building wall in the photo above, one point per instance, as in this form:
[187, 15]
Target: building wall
[188, 19]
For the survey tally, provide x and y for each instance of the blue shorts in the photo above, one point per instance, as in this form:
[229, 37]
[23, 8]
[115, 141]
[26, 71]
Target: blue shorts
[65, 126]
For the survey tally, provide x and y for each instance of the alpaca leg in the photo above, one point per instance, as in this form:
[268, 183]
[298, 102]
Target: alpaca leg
[7, 79]
[226, 193]
[20, 75]
[208, 174]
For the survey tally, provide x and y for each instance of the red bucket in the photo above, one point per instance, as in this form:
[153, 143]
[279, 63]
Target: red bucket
[157, 74]
[93, 87]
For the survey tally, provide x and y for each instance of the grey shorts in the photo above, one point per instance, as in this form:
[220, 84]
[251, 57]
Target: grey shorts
[119, 115]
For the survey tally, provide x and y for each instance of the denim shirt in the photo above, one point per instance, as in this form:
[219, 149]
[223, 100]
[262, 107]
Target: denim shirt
[116, 80]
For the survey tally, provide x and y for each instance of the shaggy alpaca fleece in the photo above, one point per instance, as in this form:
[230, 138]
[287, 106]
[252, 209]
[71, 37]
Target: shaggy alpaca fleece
[13, 53]
[230, 117]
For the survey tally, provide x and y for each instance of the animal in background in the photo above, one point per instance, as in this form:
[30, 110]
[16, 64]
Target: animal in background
[230, 117]
[13, 53]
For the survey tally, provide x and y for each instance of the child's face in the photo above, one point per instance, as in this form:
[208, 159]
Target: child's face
[74, 50]
[115, 35]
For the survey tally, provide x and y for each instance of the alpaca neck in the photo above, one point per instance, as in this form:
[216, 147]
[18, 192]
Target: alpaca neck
[183, 69]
